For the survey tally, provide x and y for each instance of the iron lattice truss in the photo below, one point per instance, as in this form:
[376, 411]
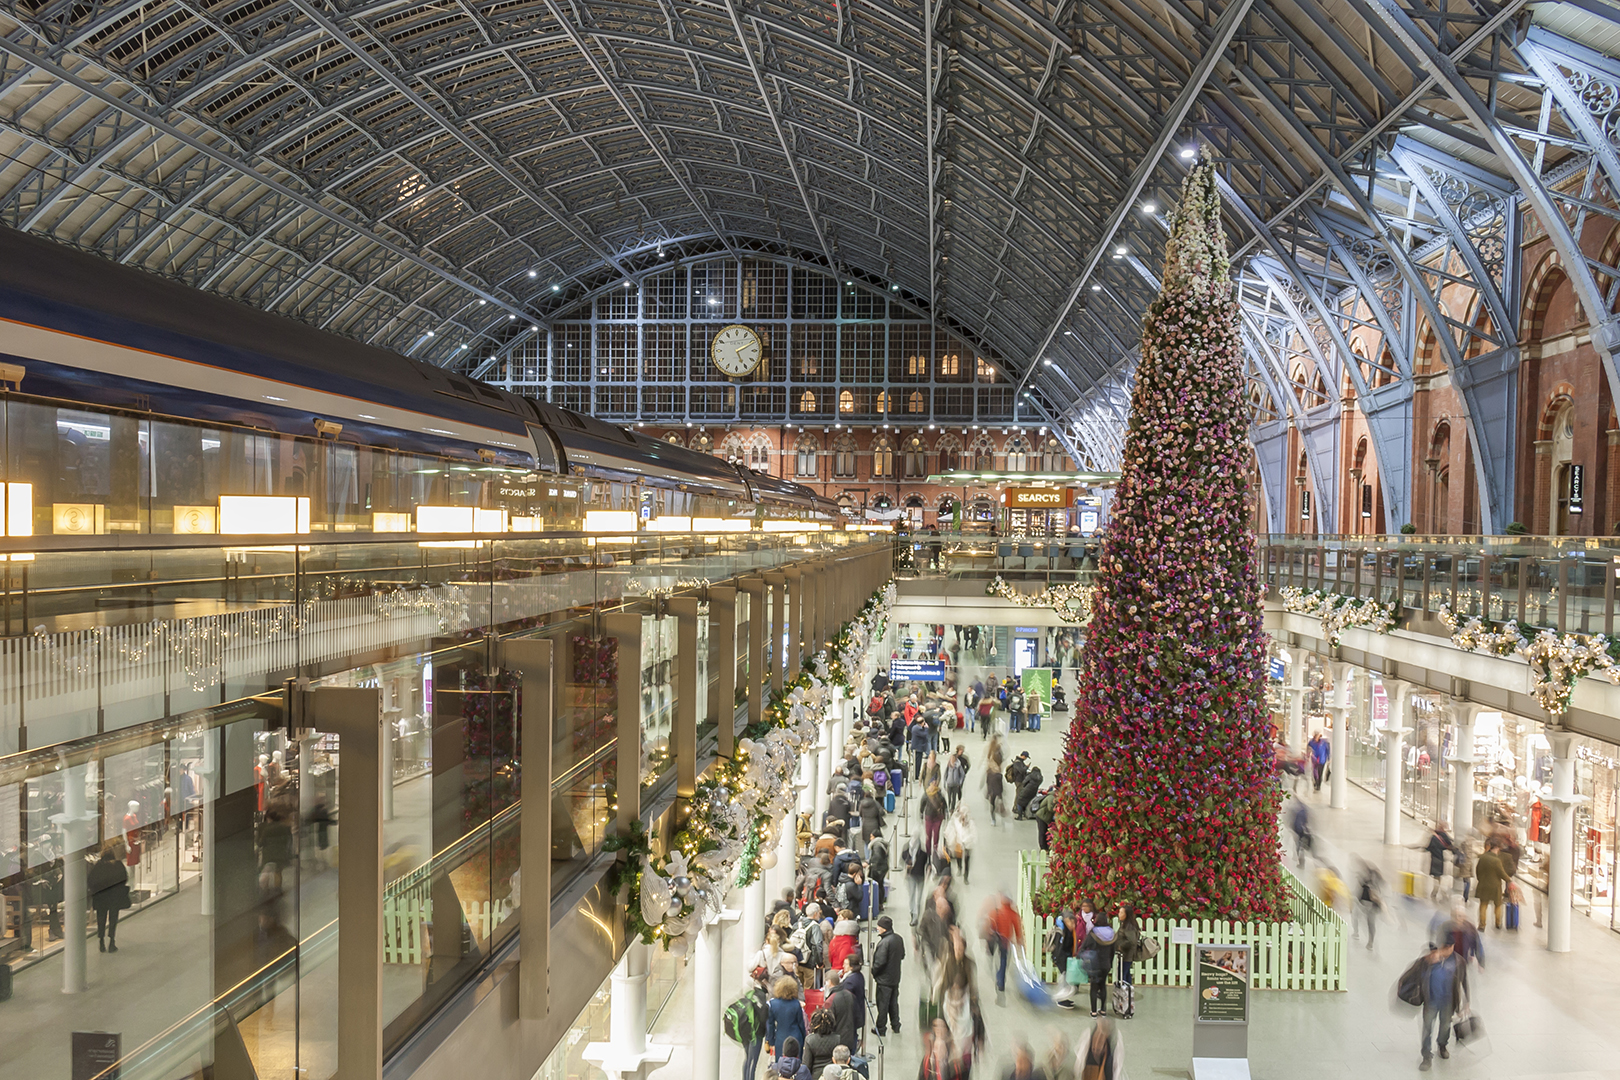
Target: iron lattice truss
[447, 178]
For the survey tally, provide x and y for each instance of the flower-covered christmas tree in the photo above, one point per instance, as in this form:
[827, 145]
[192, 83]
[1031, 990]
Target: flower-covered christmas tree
[1168, 797]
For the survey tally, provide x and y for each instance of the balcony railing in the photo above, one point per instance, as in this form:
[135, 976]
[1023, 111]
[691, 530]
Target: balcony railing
[1563, 583]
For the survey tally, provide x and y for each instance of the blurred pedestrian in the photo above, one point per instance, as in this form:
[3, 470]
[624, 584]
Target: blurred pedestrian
[1101, 1056]
[1096, 954]
[993, 780]
[1003, 929]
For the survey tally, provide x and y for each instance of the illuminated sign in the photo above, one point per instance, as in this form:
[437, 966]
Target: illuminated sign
[1036, 498]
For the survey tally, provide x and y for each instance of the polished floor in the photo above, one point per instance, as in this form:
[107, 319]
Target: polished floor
[1546, 1015]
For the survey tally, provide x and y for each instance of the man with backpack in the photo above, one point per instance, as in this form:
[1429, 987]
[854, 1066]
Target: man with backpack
[744, 1024]
[1435, 983]
[1015, 709]
[916, 860]
[1043, 808]
[956, 770]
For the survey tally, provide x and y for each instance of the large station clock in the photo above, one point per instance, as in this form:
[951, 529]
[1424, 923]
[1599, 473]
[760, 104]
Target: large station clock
[736, 350]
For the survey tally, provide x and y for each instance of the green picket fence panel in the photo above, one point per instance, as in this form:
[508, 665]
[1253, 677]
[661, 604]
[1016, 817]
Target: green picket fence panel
[1309, 952]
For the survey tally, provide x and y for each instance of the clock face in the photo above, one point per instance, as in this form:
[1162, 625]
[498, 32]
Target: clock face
[736, 350]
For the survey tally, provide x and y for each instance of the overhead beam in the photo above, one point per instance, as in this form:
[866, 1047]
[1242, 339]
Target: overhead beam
[1221, 37]
[611, 85]
[781, 133]
[246, 169]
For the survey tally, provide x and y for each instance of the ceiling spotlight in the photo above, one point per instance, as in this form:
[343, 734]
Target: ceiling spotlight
[511, 317]
[1150, 208]
[463, 345]
[894, 288]
[627, 284]
[714, 301]
[554, 288]
[1119, 252]
[1096, 288]
[1043, 431]
[430, 333]
[1188, 152]
[1048, 363]
[481, 303]
[849, 283]
[533, 273]
[536, 329]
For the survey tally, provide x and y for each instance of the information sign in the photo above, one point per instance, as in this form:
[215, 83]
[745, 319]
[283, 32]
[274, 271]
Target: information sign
[95, 1055]
[916, 671]
[1223, 984]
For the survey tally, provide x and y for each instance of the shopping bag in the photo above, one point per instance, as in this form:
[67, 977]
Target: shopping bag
[1150, 948]
[1075, 974]
[1466, 1028]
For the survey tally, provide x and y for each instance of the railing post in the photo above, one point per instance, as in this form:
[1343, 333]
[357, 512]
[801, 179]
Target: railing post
[1524, 588]
[1485, 585]
[1563, 593]
[626, 627]
[1609, 568]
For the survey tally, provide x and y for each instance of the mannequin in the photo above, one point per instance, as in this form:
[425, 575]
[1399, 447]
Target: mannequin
[260, 769]
[132, 834]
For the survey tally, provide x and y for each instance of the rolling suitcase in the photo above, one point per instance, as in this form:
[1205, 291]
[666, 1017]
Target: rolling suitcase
[1408, 883]
[1512, 916]
[1124, 998]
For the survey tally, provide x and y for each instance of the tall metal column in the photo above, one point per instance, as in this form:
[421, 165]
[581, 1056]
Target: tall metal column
[354, 714]
[793, 621]
[626, 627]
[777, 627]
[755, 588]
[684, 743]
[74, 823]
[532, 659]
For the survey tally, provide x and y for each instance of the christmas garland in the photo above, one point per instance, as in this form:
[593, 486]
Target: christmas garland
[736, 812]
[1338, 613]
[1557, 661]
[1071, 601]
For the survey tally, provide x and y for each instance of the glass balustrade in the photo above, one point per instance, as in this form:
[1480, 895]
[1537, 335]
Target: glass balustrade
[144, 737]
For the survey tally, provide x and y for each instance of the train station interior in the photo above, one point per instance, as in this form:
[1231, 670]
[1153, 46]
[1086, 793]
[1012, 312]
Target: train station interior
[1023, 538]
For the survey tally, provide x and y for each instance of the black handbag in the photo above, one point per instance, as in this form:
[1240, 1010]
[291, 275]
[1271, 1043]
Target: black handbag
[1466, 1028]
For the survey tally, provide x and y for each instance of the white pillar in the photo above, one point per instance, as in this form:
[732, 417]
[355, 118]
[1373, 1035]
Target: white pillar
[1462, 769]
[1296, 700]
[706, 1002]
[823, 774]
[207, 787]
[627, 1051]
[1339, 739]
[73, 825]
[753, 918]
[1561, 853]
[787, 855]
[1394, 750]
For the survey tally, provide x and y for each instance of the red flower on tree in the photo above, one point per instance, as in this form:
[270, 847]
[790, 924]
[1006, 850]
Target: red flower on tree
[1168, 796]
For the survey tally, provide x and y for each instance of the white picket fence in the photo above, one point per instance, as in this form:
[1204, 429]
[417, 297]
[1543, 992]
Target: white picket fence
[1308, 952]
[406, 920]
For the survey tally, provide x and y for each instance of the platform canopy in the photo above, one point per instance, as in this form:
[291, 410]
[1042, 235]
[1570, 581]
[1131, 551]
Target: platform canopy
[429, 175]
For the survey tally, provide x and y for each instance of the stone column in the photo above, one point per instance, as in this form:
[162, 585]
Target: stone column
[1339, 741]
[1394, 750]
[706, 1001]
[753, 918]
[627, 1052]
[74, 825]
[792, 621]
[1296, 700]
[823, 754]
[775, 626]
[1561, 853]
[1462, 768]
